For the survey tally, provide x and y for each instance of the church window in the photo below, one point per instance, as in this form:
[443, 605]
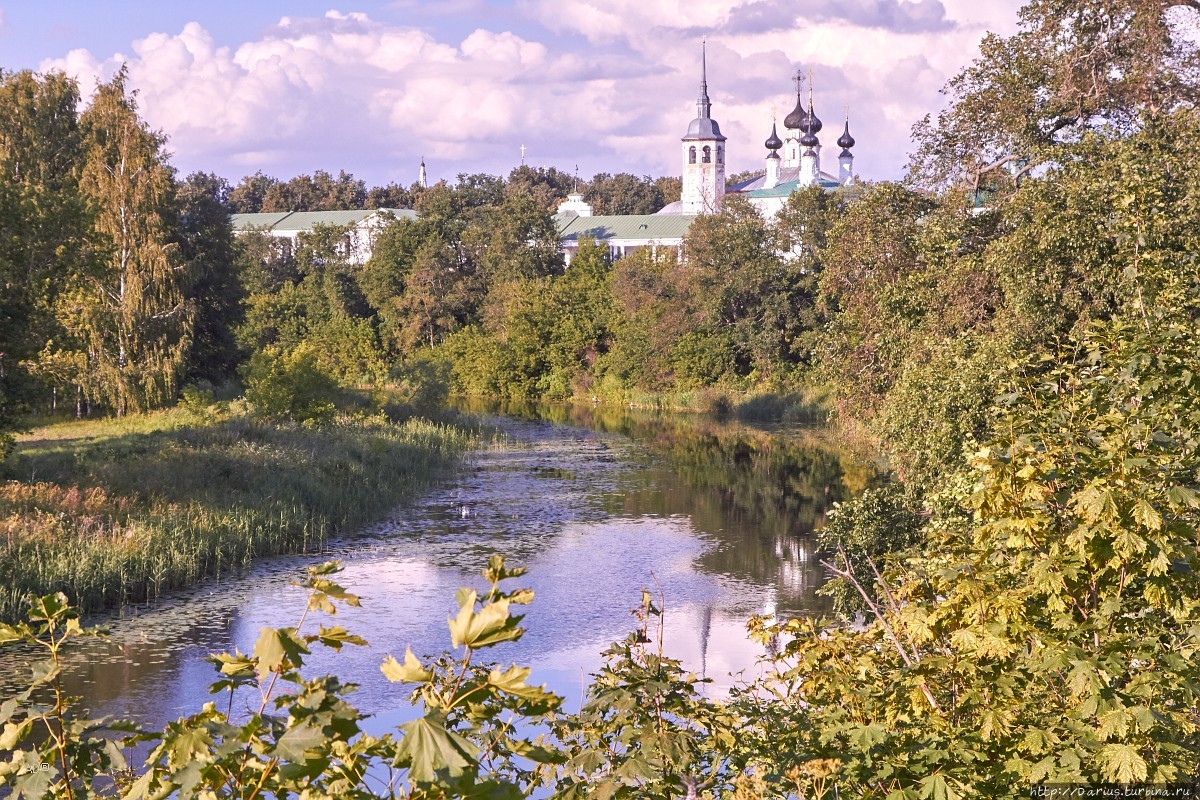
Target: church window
[707, 159]
[720, 154]
[692, 154]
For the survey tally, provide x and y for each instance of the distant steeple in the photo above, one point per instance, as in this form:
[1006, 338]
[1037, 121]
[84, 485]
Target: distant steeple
[575, 204]
[846, 141]
[422, 178]
[797, 119]
[809, 139]
[810, 165]
[773, 142]
[703, 104]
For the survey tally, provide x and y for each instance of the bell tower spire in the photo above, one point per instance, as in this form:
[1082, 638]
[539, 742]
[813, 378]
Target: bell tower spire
[703, 154]
[703, 104]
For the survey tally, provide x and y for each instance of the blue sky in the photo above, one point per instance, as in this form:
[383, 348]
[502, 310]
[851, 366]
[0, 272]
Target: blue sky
[608, 85]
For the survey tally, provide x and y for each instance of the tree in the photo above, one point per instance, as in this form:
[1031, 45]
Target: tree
[393, 195]
[872, 255]
[653, 310]
[625, 194]
[478, 190]
[44, 227]
[215, 291]
[747, 294]
[130, 315]
[1071, 67]
[317, 192]
[547, 186]
[515, 238]
[250, 193]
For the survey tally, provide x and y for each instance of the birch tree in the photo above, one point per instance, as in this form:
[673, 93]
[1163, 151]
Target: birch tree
[130, 312]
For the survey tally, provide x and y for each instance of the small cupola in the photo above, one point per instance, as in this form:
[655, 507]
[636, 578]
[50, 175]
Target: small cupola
[809, 139]
[846, 141]
[773, 143]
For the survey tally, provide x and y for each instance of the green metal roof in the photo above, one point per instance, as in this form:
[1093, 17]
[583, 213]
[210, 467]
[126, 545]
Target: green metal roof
[246, 222]
[645, 227]
[307, 220]
[786, 189]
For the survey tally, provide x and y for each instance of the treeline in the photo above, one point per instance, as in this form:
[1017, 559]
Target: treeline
[548, 186]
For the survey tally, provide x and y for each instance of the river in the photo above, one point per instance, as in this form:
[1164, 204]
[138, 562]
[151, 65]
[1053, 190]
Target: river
[597, 503]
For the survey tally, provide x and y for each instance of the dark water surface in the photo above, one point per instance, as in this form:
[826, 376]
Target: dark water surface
[598, 503]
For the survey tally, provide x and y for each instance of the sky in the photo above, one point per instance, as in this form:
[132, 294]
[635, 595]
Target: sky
[240, 86]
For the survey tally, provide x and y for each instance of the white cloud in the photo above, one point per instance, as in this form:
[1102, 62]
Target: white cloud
[348, 91]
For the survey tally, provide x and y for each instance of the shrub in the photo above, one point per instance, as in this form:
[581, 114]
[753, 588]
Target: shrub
[290, 386]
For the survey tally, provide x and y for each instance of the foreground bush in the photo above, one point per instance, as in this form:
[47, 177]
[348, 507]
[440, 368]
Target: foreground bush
[1046, 626]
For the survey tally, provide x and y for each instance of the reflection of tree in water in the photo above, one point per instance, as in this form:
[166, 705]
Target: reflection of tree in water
[758, 493]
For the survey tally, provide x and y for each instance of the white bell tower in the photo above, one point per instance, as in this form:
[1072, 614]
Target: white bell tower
[703, 155]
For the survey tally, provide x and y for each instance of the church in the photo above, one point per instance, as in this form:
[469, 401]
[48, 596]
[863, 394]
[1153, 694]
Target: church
[792, 164]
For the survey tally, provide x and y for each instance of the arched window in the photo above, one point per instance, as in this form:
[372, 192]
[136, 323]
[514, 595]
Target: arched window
[720, 154]
[692, 154]
[707, 158]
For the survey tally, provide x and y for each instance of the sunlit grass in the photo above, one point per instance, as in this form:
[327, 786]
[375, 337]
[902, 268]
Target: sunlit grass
[117, 511]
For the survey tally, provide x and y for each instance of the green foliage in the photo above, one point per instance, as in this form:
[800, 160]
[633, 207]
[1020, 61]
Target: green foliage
[302, 737]
[421, 386]
[290, 386]
[1070, 69]
[45, 233]
[1051, 635]
[216, 291]
[627, 194]
[867, 532]
[645, 730]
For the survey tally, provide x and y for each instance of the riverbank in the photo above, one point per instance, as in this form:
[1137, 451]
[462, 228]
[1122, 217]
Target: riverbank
[799, 405]
[119, 511]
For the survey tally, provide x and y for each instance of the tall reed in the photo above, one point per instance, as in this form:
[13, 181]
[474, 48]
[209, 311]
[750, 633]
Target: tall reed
[112, 515]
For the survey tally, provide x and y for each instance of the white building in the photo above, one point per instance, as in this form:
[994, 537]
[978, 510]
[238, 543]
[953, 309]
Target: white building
[358, 241]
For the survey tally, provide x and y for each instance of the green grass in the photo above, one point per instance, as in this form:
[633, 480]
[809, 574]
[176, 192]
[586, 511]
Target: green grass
[118, 511]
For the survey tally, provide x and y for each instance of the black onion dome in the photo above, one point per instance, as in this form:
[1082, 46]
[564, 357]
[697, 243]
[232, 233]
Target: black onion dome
[774, 142]
[812, 117]
[798, 119]
[846, 141]
[809, 139]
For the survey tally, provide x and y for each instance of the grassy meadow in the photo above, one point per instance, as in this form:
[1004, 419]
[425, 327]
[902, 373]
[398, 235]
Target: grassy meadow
[121, 510]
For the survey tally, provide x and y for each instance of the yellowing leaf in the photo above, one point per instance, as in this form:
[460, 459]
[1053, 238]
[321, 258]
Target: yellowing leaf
[1120, 763]
[1147, 515]
[410, 671]
[512, 681]
[277, 648]
[489, 626]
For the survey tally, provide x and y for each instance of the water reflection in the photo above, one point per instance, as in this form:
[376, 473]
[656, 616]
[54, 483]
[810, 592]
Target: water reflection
[598, 504]
[756, 492]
